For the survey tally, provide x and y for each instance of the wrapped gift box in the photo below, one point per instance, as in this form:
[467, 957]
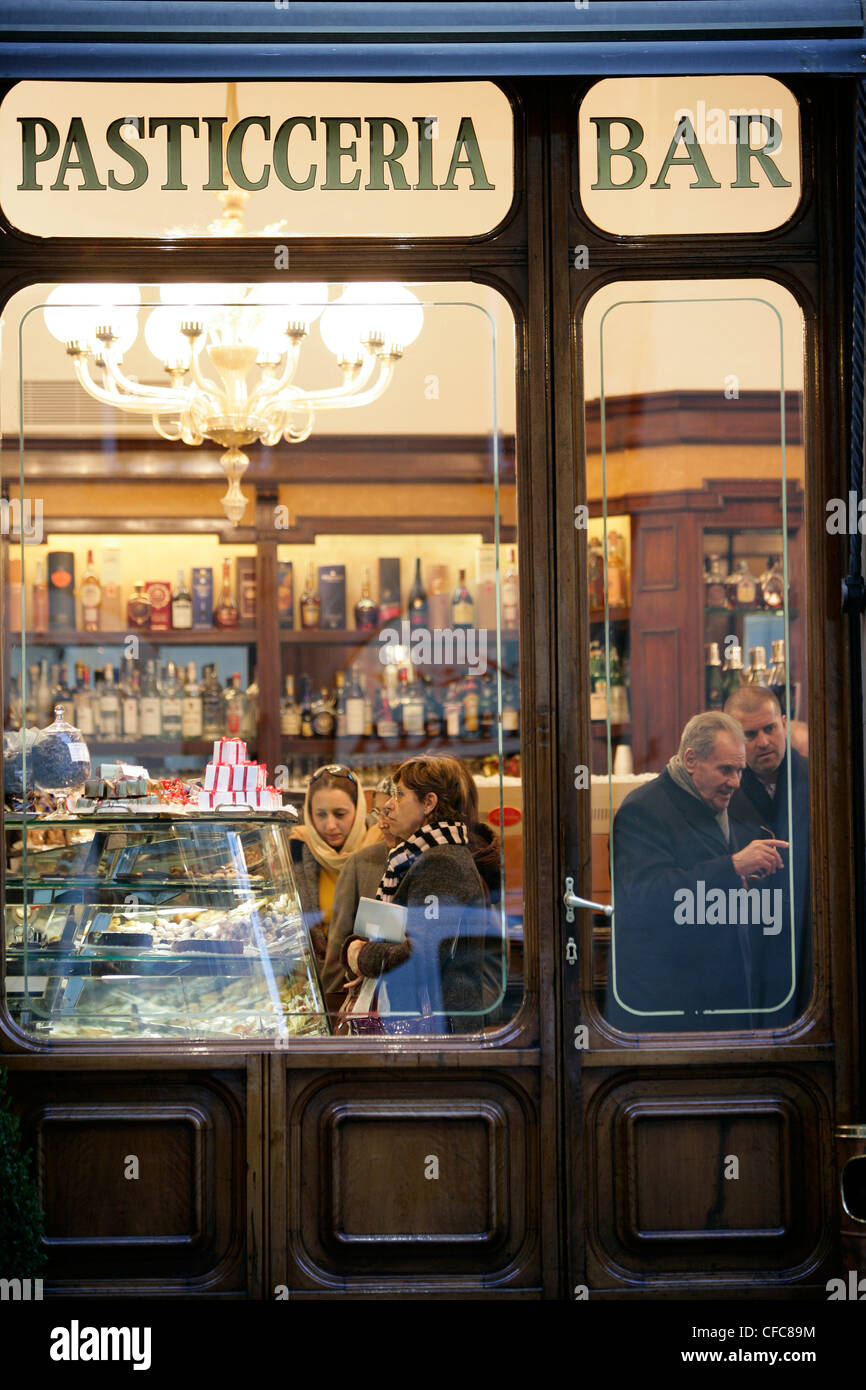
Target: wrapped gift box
[229, 750]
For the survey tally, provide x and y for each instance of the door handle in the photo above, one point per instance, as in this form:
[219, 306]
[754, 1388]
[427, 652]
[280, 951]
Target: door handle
[571, 901]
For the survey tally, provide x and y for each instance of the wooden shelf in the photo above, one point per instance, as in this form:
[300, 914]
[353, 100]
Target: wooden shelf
[142, 748]
[194, 637]
[398, 749]
[618, 613]
[359, 637]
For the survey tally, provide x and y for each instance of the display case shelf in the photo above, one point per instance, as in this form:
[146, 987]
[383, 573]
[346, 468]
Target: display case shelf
[193, 637]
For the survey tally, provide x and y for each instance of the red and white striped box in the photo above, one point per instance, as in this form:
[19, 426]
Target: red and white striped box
[229, 750]
[218, 777]
[248, 777]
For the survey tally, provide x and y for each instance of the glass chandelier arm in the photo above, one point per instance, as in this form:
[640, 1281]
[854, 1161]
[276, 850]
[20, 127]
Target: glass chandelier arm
[274, 385]
[333, 401]
[139, 389]
[214, 392]
[173, 435]
[163, 404]
[351, 387]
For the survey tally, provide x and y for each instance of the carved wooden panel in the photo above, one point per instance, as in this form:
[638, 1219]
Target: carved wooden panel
[142, 1182]
[418, 1179]
[708, 1174]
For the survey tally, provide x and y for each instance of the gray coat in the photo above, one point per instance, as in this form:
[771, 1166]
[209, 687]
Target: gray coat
[359, 878]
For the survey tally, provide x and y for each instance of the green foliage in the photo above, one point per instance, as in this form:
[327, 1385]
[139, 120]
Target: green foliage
[21, 1253]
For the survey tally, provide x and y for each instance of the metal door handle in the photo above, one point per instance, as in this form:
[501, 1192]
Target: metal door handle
[571, 901]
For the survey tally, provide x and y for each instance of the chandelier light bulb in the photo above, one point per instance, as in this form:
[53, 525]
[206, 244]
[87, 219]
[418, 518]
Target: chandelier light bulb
[74, 313]
[165, 338]
[389, 312]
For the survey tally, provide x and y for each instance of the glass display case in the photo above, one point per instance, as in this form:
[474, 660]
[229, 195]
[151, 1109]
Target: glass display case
[157, 926]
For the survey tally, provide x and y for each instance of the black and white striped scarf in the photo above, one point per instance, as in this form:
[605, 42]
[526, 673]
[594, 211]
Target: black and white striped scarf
[404, 854]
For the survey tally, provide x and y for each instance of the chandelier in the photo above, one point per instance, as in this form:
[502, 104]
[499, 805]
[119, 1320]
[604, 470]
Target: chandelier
[231, 352]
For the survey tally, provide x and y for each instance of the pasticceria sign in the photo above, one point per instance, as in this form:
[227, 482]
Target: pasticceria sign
[314, 159]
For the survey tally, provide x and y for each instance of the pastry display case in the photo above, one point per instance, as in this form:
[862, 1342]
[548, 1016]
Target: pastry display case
[160, 926]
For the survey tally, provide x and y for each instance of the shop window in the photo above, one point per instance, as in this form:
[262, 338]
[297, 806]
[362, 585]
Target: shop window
[699, 693]
[264, 619]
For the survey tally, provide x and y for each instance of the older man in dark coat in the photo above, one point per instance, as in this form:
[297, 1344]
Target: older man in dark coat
[764, 795]
[692, 927]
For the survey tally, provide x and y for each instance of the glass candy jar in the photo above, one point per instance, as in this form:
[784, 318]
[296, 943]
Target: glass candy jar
[61, 759]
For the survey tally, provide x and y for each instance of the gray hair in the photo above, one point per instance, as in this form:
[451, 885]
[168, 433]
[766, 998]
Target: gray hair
[701, 731]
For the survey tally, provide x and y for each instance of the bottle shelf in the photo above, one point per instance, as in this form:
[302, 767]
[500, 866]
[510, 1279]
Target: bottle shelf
[398, 748]
[617, 613]
[192, 637]
[714, 610]
[616, 730]
[318, 636]
[157, 747]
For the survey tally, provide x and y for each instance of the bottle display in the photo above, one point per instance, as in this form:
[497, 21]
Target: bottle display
[149, 708]
[714, 689]
[90, 595]
[462, 604]
[211, 704]
[171, 704]
[715, 595]
[418, 608]
[323, 715]
[138, 608]
[511, 593]
[290, 711]
[109, 707]
[366, 609]
[773, 584]
[129, 698]
[757, 672]
[741, 587]
[733, 675]
[226, 613]
[181, 604]
[192, 724]
[311, 602]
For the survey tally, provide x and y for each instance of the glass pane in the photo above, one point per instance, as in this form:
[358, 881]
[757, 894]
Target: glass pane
[699, 700]
[210, 700]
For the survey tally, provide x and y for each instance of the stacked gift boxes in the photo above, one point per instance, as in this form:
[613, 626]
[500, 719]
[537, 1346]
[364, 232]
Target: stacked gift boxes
[230, 779]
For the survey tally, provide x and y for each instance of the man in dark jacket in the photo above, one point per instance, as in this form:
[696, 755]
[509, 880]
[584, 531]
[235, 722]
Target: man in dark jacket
[692, 927]
[764, 795]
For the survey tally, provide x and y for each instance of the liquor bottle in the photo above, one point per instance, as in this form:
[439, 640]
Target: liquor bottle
[234, 706]
[776, 679]
[412, 709]
[471, 703]
[129, 700]
[82, 702]
[757, 672]
[290, 711]
[181, 604]
[39, 612]
[110, 578]
[366, 609]
[61, 693]
[250, 726]
[713, 683]
[324, 718]
[389, 589]
[386, 724]
[741, 587]
[369, 723]
[419, 609]
[31, 697]
[226, 612]
[510, 710]
[733, 675]
[432, 710]
[714, 584]
[354, 696]
[311, 602]
[14, 591]
[90, 595]
[15, 706]
[616, 578]
[109, 707]
[138, 607]
[149, 706]
[511, 594]
[487, 707]
[595, 572]
[453, 711]
[43, 695]
[171, 704]
[192, 719]
[307, 730]
[61, 589]
[211, 704]
[462, 604]
[340, 705]
[772, 583]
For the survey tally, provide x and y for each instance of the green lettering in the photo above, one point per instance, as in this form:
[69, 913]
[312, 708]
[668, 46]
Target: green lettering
[694, 156]
[30, 156]
[76, 142]
[215, 181]
[378, 157]
[174, 127]
[134, 158]
[281, 153]
[746, 153]
[335, 152]
[467, 140]
[235, 153]
[425, 154]
[605, 152]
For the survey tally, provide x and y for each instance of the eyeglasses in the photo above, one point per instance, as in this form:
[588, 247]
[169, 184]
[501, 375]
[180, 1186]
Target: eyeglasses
[334, 770]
